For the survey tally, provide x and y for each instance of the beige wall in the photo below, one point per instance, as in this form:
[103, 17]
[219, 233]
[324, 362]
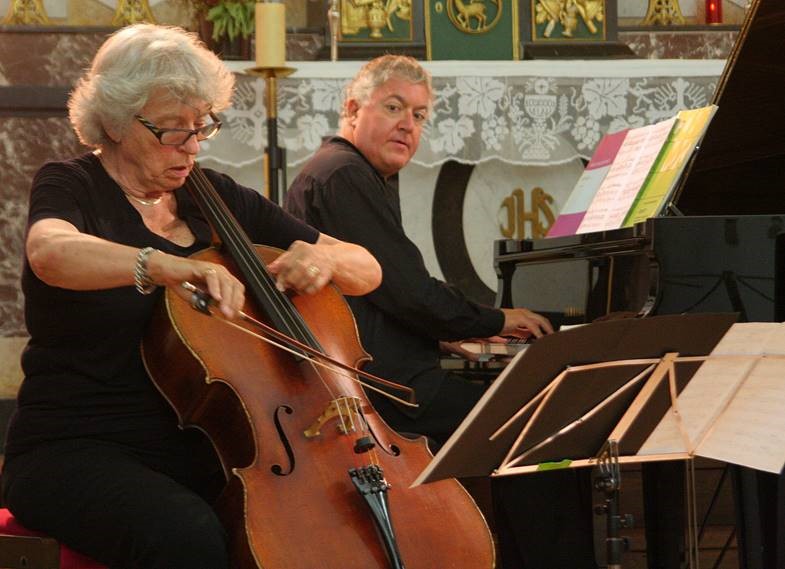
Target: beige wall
[10, 372]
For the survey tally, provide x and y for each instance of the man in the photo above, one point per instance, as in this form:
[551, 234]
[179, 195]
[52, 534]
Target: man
[349, 189]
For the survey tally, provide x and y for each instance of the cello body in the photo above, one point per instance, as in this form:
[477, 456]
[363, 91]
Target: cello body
[280, 429]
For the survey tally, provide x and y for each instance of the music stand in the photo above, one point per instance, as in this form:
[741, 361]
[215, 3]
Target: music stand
[570, 394]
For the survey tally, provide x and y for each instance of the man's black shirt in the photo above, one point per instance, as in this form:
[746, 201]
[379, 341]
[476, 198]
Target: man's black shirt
[341, 194]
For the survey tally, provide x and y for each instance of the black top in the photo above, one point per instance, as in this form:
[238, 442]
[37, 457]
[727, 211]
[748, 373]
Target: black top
[84, 375]
[340, 193]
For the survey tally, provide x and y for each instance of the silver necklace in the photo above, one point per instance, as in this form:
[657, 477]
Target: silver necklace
[143, 201]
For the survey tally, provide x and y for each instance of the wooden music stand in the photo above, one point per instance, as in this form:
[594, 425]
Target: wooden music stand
[637, 386]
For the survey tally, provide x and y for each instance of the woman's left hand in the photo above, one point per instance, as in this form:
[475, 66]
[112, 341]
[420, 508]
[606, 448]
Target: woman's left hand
[304, 268]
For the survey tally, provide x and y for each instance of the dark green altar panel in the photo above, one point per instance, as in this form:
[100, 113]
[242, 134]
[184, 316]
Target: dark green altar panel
[462, 29]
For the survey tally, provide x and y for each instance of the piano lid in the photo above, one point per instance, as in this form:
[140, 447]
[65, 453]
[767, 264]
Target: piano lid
[740, 165]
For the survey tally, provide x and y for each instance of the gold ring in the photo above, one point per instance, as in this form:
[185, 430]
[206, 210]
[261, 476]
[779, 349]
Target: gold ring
[313, 270]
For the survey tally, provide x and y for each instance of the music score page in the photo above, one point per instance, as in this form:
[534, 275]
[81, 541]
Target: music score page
[731, 410]
[624, 179]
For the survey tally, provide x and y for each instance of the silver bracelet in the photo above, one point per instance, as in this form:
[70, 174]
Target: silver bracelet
[144, 284]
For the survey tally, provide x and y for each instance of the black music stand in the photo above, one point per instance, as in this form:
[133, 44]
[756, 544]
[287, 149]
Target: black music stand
[534, 418]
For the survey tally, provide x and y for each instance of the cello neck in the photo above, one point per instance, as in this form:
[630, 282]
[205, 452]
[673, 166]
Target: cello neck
[260, 284]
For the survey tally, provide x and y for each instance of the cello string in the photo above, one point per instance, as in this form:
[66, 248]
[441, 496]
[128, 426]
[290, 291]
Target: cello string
[248, 257]
[232, 240]
[314, 360]
[241, 250]
[244, 254]
[259, 279]
[255, 268]
[366, 431]
[329, 364]
[309, 350]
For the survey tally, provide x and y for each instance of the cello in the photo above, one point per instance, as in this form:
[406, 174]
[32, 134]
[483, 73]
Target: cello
[315, 478]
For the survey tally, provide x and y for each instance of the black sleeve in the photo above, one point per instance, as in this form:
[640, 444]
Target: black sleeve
[352, 206]
[53, 195]
[264, 221]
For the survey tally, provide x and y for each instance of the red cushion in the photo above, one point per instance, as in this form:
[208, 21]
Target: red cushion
[69, 559]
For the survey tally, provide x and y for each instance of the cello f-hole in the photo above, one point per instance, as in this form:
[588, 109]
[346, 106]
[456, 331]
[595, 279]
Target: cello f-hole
[391, 450]
[277, 469]
[264, 529]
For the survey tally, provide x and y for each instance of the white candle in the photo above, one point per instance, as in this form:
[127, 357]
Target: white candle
[270, 34]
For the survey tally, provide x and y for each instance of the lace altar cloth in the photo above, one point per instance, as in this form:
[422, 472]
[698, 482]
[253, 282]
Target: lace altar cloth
[529, 113]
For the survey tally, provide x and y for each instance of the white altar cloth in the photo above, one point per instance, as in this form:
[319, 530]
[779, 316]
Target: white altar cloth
[520, 112]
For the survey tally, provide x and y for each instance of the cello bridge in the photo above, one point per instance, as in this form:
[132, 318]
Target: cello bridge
[346, 409]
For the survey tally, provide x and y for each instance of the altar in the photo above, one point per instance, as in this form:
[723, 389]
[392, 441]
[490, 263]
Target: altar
[505, 144]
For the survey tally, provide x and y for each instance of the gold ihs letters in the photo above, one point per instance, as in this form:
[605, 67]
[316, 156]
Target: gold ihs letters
[517, 216]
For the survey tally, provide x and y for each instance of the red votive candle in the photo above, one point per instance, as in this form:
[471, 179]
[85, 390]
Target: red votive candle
[713, 11]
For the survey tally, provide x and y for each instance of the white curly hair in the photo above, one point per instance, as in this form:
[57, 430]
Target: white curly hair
[137, 61]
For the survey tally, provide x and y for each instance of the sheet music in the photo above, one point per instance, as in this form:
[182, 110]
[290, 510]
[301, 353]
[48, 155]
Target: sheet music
[685, 137]
[588, 184]
[665, 438]
[699, 404]
[732, 408]
[753, 338]
[751, 431]
[632, 164]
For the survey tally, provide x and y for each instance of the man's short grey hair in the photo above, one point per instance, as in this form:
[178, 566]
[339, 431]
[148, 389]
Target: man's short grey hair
[380, 70]
[136, 62]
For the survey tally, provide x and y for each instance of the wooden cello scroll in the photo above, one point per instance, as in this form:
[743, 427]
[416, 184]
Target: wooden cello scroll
[315, 478]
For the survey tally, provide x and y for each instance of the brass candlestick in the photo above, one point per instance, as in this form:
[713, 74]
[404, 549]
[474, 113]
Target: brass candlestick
[274, 158]
[334, 20]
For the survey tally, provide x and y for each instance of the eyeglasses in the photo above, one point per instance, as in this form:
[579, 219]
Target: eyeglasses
[179, 136]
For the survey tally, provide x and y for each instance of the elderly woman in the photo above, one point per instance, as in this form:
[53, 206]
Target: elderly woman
[94, 455]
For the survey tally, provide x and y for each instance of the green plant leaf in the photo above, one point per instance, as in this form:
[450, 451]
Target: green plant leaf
[232, 18]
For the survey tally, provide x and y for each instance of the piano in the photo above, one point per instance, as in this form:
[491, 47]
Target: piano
[718, 247]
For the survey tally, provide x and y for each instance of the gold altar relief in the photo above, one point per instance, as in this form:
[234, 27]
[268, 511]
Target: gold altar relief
[474, 16]
[567, 13]
[518, 217]
[132, 12]
[663, 13]
[26, 12]
[374, 15]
